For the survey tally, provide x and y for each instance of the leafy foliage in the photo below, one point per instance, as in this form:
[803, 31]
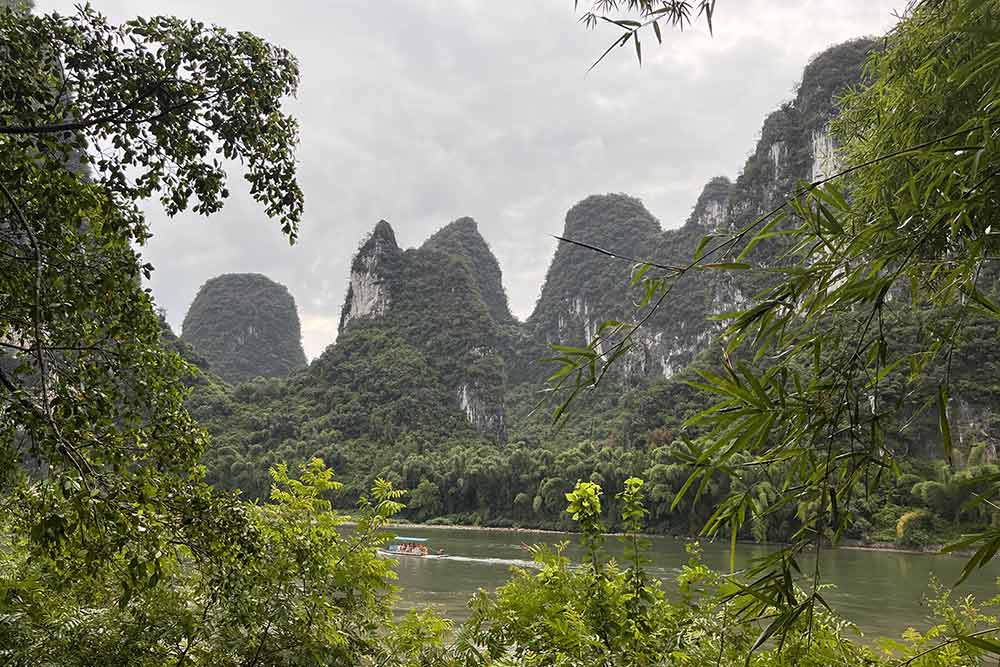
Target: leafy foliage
[163, 93]
[115, 551]
[633, 17]
[98, 449]
[295, 589]
[912, 228]
[599, 612]
[819, 380]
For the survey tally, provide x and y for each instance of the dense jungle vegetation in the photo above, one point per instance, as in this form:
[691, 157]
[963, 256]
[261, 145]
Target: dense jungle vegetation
[463, 479]
[117, 549]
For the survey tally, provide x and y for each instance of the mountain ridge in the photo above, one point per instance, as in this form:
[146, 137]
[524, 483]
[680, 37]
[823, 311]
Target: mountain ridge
[441, 311]
[434, 386]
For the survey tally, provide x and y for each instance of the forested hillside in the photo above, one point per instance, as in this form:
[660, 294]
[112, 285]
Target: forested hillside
[434, 385]
[245, 325]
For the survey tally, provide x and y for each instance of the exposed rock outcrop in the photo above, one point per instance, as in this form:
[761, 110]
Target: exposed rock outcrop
[825, 162]
[368, 292]
[711, 211]
[481, 393]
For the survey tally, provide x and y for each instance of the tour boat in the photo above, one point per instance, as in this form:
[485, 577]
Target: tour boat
[408, 546]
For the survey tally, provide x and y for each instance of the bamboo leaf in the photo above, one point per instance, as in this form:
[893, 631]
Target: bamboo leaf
[638, 272]
[700, 250]
[728, 266]
[943, 424]
[985, 643]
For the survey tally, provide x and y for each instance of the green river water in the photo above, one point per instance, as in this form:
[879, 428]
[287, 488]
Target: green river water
[882, 592]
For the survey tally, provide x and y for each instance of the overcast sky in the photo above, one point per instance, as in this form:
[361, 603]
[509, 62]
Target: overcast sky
[423, 111]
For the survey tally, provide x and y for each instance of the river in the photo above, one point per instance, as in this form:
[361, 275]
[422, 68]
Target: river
[881, 591]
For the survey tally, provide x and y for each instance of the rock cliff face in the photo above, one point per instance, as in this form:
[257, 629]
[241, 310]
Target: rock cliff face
[245, 325]
[824, 155]
[711, 211]
[368, 293]
[583, 289]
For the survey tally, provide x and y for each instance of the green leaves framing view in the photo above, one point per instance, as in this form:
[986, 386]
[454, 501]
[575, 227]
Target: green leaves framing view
[165, 500]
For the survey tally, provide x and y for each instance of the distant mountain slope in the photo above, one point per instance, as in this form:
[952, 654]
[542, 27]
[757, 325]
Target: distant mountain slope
[444, 301]
[462, 239]
[427, 341]
[584, 289]
[245, 325]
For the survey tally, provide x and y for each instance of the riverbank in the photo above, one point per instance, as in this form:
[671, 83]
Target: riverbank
[854, 545]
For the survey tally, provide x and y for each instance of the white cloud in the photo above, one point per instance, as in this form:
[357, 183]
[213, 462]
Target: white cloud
[317, 332]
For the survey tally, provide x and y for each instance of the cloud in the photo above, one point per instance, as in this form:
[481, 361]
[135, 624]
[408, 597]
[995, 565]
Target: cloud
[318, 331]
[423, 111]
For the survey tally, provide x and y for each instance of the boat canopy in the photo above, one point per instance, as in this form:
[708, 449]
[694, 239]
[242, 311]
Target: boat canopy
[403, 538]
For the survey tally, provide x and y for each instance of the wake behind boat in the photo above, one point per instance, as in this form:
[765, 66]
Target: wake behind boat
[417, 547]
